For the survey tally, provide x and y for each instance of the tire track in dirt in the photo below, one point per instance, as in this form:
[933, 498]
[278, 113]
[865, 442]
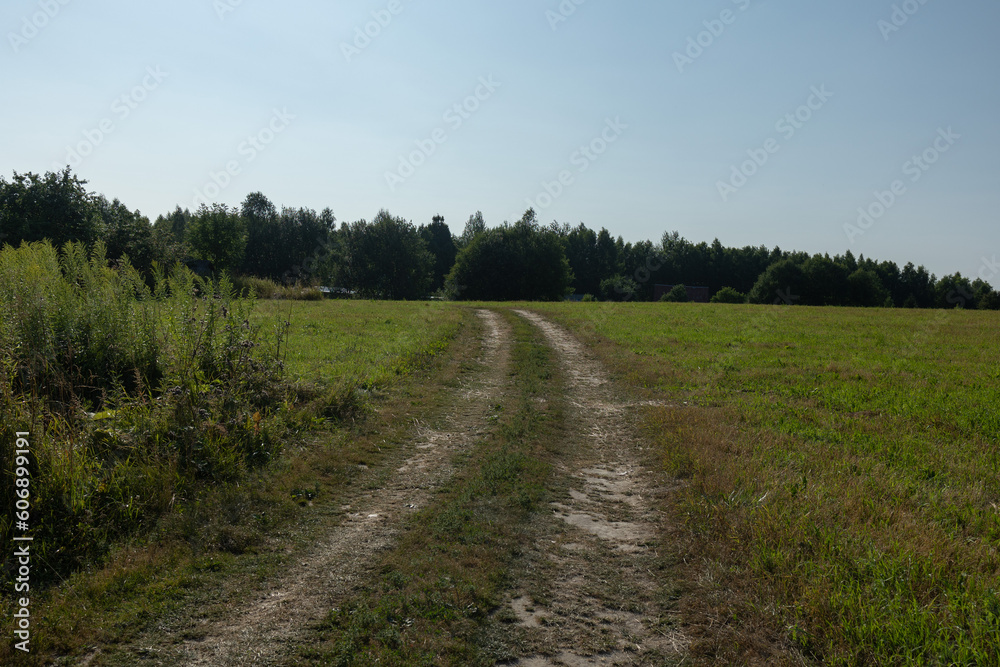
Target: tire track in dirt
[268, 629]
[589, 596]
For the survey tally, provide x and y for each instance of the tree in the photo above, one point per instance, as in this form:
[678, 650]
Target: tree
[986, 298]
[56, 207]
[780, 283]
[304, 244]
[218, 234]
[954, 291]
[473, 227]
[915, 282]
[581, 252]
[261, 219]
[125, 233]
[866, 289]
[442, 247]
[384, 259]
[728, 295]
[168, 238]
[825, 282]
[512, 262]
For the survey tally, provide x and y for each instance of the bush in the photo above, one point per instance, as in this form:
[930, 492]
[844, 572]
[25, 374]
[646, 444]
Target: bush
[728, 295]
[618, 288]
[259, 288]
[73, 331]
[134, 398]
[678, 294]
[264, 288]
[588, 298]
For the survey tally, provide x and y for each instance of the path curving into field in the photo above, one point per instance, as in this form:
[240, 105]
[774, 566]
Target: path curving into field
[598, 602]
[269, 629]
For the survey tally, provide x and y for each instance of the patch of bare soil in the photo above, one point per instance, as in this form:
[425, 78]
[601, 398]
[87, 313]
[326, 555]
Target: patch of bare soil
[267, 629]
[588, 595]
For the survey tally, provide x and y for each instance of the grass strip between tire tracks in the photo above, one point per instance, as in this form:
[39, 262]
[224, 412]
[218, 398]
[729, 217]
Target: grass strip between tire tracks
[433, 600]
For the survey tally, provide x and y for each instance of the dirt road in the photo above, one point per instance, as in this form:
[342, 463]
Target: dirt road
[584, 591]
[268, 629]
[590, 597]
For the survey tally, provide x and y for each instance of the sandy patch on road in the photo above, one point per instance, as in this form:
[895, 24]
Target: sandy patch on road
[592, 598]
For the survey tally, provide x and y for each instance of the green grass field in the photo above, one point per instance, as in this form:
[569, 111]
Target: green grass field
[837, 500]
[365, 342]
[840, 471]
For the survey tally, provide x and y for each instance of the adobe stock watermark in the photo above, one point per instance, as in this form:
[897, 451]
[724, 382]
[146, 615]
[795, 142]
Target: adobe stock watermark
[223, 7]
[788, 125]
[365, 35]
[562, 13]
[22, 554]
[714, 28]
[248, 150]
[582, 159]
[121, 108]
[989, 269]
[899, 17]
[454, 117]
[33, 25]
[914, 168]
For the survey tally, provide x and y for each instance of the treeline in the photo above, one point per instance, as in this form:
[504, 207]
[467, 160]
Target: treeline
[391, 258]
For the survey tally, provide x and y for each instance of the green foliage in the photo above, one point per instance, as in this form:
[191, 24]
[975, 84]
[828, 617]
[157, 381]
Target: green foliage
[866, 289]
[955, 291]
[169, 246]
[73, 329]
[592, 257]
[293, 246]
[298, 246]
[512, 262]
[126, 234]
[618, 288]
[678, 294]
[781, 278]
[263, 288]
[217, 234]
[474, 226]
[728, 295]
[442, 247]
[384, 259]
[56, 207]
[134, 397]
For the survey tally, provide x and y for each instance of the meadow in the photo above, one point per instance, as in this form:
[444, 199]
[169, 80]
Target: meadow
[838, 469]
[151, 409]
[837, 496]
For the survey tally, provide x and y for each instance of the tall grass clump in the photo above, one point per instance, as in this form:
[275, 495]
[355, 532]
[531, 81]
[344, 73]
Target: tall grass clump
[137, 398]
[72, 331]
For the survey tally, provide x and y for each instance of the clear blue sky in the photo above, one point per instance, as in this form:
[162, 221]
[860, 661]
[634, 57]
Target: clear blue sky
[678, 128]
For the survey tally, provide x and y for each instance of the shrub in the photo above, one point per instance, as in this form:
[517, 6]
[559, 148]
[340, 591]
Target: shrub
[728, 295]
[134, 398]
[678, 294]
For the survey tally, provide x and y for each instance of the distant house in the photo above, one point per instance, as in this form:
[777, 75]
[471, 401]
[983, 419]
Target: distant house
[698, 294]
[200, 267]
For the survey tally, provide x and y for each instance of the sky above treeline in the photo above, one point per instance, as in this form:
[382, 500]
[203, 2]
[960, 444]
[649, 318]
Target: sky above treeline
[867, 125]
